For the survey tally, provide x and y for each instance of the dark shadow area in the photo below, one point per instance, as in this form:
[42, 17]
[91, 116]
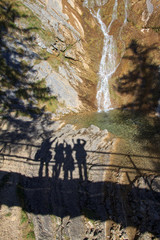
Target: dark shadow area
[68, 166]
[149, 134]
[143, 82]
[81, 157]
[134, 205]
[44, 155]
[59, 159]
[15, 130]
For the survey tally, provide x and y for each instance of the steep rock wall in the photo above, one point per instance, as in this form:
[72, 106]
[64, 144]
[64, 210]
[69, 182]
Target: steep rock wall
[65, 19]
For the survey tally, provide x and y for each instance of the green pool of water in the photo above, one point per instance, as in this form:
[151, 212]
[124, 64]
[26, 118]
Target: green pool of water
[124, 124]
[141, 134]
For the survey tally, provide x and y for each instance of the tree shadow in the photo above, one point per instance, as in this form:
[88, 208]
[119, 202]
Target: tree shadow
[19, 94]
[142, 86]
[149, 137]
[143, 82]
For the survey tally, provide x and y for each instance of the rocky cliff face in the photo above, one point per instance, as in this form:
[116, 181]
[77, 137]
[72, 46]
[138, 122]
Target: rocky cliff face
[65, 19]
[68, 46]
[48, 42]
[136, 23]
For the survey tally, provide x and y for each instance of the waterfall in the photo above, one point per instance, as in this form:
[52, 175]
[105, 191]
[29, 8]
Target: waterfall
[108, 63]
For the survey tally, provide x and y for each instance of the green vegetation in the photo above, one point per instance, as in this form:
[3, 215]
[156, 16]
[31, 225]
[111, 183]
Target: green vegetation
[31, 235]
[122, 123]
[53, 218]
[66, 237]
[114, 121]
[8, 214]
[24, 217]
[43, 54]
[27, 225]
[55, 62]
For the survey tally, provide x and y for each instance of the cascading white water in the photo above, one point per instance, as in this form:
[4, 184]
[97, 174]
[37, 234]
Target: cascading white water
[108, 63]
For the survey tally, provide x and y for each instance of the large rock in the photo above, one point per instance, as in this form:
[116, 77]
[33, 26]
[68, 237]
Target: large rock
[59, 84]
[42, 70]
[70, 74]
[51, 14]
[64, 92]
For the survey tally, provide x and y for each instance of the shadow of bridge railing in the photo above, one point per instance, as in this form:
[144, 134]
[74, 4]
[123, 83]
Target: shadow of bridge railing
[30, 161]
[6, 152]
[88, 151]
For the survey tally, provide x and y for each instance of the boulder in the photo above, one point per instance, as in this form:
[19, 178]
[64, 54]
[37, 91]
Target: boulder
[70, 53]
[64, 92]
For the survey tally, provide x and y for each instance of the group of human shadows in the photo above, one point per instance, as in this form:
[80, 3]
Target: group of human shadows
[63, 159]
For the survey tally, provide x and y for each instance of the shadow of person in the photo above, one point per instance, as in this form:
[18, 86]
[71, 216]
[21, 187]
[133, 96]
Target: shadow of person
[44, 155]
[81, 157]
[59, 159]
[68, 166]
